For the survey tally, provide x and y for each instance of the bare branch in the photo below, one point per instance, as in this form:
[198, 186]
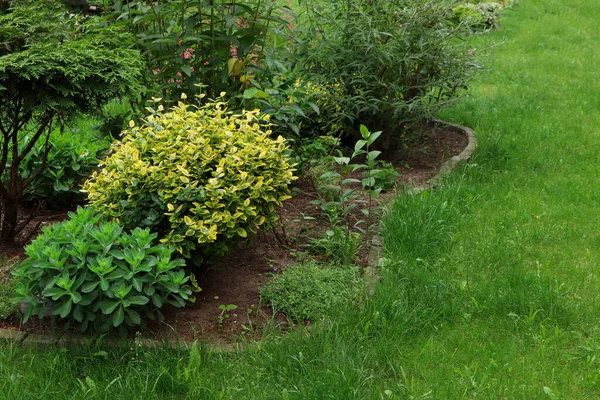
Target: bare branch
[46, 123]
[30, 217]
[42, 166]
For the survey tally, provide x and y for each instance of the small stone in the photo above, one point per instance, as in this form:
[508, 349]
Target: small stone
[12, 335]
[41, 339]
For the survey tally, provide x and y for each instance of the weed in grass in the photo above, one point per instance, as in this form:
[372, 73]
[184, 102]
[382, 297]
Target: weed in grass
[224, 316]
[338, 245]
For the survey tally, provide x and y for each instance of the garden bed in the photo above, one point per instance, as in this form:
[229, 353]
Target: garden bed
[238, 278]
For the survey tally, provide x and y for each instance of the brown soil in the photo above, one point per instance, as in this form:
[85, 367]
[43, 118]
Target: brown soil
[238, 278]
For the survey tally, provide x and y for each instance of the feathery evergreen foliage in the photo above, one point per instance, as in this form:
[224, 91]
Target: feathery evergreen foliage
[52, 65]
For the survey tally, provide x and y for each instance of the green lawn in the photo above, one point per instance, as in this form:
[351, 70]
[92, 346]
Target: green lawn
[489, 288]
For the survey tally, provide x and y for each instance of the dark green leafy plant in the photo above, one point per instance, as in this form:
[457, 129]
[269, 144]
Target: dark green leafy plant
[353, 188]
[341, 192]
[97, 276]
[216, 44]
[310, 291]
[70, 161]
[52, 66]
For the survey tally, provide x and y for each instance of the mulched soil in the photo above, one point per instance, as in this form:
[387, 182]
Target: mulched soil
[238, 278]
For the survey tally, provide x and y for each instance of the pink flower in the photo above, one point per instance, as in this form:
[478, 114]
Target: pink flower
[187, 54]
[242, 22]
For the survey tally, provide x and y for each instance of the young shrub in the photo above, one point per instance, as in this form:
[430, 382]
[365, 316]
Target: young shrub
[202, 178]
[310, 291]
[96, 275]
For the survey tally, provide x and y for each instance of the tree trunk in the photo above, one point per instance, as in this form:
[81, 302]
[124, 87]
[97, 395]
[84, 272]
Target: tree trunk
[9, 220]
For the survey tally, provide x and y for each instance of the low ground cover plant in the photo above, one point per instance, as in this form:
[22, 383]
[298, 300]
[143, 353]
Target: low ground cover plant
[310, 291]
[97, 276]
[202, 178]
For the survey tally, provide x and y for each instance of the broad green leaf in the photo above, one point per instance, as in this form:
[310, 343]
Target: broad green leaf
[373, 155]
[350, 180]
[76, 297]
[138, 300]
[186, 69]
[342, 160]
[359, 145]
[54, 292]
[364, 132]
[64, 309]
[157, 300]
[250, 93]
[330, 174]
[134, 316]
[78, 313]
[137, 284]
[373, 137]
[108, 306]
[118, 316]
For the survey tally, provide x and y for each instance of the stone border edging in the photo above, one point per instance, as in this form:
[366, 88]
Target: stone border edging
[465, 155]
[63, 339]
[371, 274]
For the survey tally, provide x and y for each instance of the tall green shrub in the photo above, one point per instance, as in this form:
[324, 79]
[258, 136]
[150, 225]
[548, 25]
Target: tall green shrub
[202, 178]
[385, 63]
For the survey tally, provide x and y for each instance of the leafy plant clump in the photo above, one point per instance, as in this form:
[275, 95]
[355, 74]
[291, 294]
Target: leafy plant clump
[480, 16]
[219, 44]
[202, 179]
[310, 291]
[95, 275]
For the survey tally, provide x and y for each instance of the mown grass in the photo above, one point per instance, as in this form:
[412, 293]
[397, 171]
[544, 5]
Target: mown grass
[489, 288]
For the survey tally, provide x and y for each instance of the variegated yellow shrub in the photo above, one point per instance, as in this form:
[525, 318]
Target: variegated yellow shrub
[201, 177]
